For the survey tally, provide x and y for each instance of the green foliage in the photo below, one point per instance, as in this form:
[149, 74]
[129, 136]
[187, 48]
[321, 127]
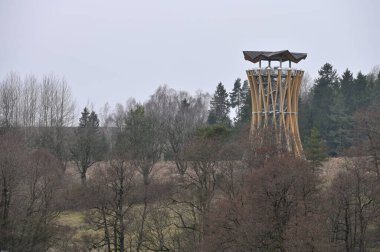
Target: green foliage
[340, 125]
[142, 139]
[216, 131]
[347, 88]
[236, 95]
[315, 148]
[89, 145]
[375, 87]
[332, 104]
[361, 92]
[236, 99]
[219, 109]
[89, 120]
[246, 110]
[305, 121]
[207, 144]
[323, 94]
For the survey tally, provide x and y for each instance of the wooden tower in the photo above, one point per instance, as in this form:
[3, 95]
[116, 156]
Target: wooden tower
[275, 91]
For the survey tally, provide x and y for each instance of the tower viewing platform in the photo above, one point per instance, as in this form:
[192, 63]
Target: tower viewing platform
[275, 92]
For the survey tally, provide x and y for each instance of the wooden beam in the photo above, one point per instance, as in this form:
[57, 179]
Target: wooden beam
[276, 104]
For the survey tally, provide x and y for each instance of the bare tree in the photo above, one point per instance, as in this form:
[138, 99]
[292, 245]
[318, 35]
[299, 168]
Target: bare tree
[276, 210]
[9, 100]
[12, 158]
[29, 186]
[39, 212]
[367, 128]
[306, 86]
[141, 140]
[56, 103]
[105, 115]
[353, 204]
[112, 204]
[30, 99]
[180, 115]
[197, 190]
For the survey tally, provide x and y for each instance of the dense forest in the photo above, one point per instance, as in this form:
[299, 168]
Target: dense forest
[179, 171]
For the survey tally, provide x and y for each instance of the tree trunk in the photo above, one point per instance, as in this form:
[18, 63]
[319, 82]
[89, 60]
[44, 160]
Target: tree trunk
[83, 179]
[347, 239]
[4, 204]
[120, 217]
[143, 217]
[106, 232]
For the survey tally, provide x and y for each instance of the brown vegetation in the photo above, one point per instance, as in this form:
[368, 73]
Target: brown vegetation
[216, 191]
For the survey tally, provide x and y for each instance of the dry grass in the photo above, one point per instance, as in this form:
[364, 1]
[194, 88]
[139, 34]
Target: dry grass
[71, 219]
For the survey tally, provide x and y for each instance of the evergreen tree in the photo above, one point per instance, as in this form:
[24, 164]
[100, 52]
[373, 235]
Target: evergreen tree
[340, 125]
[347, 88]
[304, 118]
[89, 145]
[236, 99]
[374, 89]
[219, 109]
[375, 92]
[246, 109]
[360, 91]
[323, 94]
[315, 148]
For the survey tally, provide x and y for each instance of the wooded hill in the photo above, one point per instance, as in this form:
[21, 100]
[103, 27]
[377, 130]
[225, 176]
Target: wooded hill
[223, 193]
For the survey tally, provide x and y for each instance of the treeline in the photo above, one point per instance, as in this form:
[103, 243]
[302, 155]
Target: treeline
[337, 106]
[329, 106]
[177, 174]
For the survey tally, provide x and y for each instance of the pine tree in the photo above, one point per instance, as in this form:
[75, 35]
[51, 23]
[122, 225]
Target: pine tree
[360, 91]
[219, 109]
[246, 110]
[340, 125]
[305, 118]
[347, 88]
[315, 149]
[89, 120]
[375, 92]
[374, 89]
[323, 94]
[89, 145]
[236, 101]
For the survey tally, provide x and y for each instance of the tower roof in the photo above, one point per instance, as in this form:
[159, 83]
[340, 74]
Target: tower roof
[285, 55]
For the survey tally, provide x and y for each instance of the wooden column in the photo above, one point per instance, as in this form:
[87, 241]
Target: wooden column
[275, 97]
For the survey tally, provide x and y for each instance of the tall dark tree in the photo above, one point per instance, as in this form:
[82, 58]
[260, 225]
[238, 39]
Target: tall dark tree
[360, 92]
[374, 87]
[89, 145]
[219, 110]
[339, 132]
[323, 94]
[236, 99]
[246, 110]
[347, 87]
[315, 148]
[305, 118]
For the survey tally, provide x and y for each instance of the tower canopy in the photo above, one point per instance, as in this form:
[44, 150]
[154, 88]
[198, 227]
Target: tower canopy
[256, 56]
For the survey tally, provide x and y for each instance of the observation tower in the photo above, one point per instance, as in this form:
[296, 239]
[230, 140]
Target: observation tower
[275, 91]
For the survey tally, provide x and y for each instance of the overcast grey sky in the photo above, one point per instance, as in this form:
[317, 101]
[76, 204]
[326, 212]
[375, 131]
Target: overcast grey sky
[113, 50]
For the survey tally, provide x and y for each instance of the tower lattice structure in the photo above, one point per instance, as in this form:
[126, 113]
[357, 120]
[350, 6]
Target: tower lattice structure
[275, 93]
